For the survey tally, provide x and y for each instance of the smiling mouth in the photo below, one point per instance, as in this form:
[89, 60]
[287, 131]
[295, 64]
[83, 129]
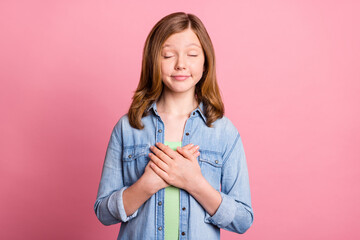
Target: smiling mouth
[180, 77]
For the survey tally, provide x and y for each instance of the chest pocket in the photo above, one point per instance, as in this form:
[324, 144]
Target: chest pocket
[135, 159]
[211, 163]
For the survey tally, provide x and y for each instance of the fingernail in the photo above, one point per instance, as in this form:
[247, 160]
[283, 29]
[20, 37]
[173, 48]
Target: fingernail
[191, 144]
[197, 147]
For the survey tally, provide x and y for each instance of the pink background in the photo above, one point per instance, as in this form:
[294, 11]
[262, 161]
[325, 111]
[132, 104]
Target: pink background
[288, 72]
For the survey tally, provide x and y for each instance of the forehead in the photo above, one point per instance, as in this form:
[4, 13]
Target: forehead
[184, 39]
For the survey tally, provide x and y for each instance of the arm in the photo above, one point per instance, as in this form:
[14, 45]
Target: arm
[118, 203]
[206, 195]
[235, 212]
[232, 209]
[109, 207]
[187, 175]
[147, 185]
[142, 190]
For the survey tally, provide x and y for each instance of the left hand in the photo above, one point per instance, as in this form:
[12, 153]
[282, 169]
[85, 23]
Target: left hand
[178, 168]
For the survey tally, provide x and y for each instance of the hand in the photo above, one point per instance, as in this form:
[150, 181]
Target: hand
[178, 168]
[153, 181]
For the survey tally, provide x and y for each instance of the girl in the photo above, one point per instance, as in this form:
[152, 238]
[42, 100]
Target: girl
[175, 166]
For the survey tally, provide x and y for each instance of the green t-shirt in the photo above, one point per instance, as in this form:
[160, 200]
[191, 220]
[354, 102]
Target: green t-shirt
[172, 205]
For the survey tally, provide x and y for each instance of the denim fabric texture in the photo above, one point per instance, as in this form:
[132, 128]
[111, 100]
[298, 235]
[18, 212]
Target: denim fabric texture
[222, 162]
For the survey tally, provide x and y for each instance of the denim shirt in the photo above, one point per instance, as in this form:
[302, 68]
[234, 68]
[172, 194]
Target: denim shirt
[222, 162]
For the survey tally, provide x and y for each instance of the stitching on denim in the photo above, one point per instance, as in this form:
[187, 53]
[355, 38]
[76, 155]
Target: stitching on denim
[137, 150]
[115, 149]
[116, 135]
[210, 151]
[206, 160]
[111, 167]
[135, 146]
[232, 148]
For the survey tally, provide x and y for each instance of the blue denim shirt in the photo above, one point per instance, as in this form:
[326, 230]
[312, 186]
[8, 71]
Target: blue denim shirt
[222, 162]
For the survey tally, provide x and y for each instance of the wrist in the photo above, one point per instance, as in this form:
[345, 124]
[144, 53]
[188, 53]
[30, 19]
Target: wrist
[147, 188]
[196, 186]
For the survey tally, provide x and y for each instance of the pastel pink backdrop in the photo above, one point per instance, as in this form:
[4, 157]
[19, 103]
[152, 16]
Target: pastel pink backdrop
[289, 76]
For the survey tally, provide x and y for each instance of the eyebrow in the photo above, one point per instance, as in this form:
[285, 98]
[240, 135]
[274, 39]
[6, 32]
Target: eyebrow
[191, 44]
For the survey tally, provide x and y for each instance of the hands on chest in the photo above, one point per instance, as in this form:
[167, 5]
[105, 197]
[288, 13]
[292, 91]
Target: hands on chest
[178, 168]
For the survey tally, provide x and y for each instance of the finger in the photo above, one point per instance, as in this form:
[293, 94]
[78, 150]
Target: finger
[190, 145]
[193, 149]
[159, 171]
[159, 162]
[186, 153]
[167, 150]
[196, 154]
[161, 154]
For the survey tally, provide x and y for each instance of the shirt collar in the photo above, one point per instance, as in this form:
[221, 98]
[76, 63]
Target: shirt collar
[199, 109]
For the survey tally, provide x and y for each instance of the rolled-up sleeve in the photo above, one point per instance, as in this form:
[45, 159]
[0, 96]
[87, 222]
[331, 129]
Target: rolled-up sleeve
[109, 206]
[235, 212]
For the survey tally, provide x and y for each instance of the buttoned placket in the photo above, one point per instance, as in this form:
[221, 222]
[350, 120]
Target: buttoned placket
[160, 195]
[184, 196]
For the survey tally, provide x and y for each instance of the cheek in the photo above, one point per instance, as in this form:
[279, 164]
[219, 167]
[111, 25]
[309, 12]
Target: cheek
[165, 69]
[198, 67]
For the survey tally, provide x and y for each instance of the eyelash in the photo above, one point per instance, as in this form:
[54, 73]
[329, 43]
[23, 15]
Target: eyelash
[171, 56]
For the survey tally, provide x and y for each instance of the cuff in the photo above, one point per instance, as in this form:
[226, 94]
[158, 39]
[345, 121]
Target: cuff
[116, 206]
[225, 214]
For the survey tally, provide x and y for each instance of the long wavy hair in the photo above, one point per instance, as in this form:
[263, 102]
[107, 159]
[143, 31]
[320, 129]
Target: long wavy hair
[151, 86]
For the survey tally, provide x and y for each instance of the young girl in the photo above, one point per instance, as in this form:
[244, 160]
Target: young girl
[175, 166]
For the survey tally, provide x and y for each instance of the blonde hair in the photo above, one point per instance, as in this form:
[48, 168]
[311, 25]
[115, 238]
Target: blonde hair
[151, 86]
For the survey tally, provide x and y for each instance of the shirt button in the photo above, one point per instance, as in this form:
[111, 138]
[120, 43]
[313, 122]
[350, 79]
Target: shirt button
[184, 208]
[160, 131]
[187, 134]
[130, 156]
[183, 233]
[159, 228]
[160, 203]
[216, 161]
[193, 113]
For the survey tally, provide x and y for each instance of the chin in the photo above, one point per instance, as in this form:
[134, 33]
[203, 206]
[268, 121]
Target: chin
[180, 90]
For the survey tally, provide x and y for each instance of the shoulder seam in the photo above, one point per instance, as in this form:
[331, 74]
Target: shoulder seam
[116, 130]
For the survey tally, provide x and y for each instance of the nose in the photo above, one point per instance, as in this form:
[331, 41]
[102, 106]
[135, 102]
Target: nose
[180, 63]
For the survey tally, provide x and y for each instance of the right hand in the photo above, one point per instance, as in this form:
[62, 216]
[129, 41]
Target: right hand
[153, 182]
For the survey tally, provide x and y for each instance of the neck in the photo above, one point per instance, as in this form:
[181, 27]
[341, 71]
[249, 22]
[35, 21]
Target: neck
[177, 104]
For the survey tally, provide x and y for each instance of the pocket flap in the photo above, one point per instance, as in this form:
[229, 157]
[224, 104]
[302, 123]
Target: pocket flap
[133, 152]
[211, 157]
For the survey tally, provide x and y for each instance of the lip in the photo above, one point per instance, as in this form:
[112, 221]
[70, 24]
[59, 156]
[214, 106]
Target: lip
[180, 77]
